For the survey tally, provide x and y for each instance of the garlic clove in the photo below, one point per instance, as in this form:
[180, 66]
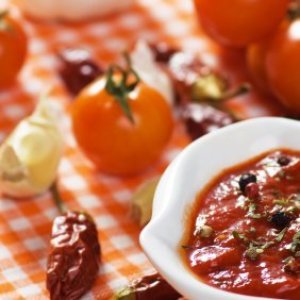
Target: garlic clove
[30, 156]
[143, 62]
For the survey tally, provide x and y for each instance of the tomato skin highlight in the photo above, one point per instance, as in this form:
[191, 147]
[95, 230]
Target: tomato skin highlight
[283, 65]
[109, 139]
[13, 50]
[237, 23]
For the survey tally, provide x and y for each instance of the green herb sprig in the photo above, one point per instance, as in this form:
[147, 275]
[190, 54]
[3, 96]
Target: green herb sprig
[294, 246]
[255, 248]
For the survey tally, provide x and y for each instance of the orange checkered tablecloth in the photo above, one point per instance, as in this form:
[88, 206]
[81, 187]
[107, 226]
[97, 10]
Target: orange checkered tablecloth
[25, 225]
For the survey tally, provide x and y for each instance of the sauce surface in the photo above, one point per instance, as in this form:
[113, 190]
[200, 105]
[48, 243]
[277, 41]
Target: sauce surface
[245, 231]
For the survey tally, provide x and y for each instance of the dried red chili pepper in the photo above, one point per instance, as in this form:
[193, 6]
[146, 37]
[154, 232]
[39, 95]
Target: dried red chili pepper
[163, 52]
[200, 119]
[196, 82]
[184, 70]
[201, 94]
[74, 258]
[148, 288]
[77, 69]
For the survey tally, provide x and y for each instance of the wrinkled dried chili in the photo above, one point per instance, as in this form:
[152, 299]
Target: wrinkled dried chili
[77, 69]
[74, 258]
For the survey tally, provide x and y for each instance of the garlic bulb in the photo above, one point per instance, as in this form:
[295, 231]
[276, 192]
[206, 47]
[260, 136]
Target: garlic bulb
[71, 10]
[144, 64]
[30, 156]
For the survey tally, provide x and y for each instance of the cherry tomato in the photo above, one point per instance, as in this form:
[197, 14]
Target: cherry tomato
[240, 22]
[117, 142]
[13, 49]
[255, 59]
[283, 65]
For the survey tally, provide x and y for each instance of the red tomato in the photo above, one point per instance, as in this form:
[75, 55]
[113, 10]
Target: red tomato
[110, 139]
[240, 22]
[283, 65]
[255, 58]
[13, 49]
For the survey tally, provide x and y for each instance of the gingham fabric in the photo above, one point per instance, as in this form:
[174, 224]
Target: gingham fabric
[25, 225]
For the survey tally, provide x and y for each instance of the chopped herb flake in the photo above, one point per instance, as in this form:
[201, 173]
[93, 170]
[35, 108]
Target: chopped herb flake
[240, 236]
[280, 235]
[281, 202]
[251, 212]
[253, 252]
[293, 247]
[291, 265]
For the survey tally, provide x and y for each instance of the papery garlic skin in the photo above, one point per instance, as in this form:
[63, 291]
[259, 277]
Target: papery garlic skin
[143, 62]
[30, 156]
[71, 10]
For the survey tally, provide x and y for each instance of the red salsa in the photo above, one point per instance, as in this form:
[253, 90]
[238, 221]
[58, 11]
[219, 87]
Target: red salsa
[244, 236]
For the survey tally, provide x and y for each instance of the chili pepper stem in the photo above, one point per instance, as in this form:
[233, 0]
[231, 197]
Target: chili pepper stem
[236, 116]
[57, 198]
[242, 89]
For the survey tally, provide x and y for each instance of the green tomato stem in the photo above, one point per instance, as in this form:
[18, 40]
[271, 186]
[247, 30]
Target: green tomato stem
[121, 88]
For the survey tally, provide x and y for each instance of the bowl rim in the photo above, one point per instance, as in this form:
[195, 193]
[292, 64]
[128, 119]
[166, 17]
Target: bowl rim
[154, 239]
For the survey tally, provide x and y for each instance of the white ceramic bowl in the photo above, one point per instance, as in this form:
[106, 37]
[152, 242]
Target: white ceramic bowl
[187, 175]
